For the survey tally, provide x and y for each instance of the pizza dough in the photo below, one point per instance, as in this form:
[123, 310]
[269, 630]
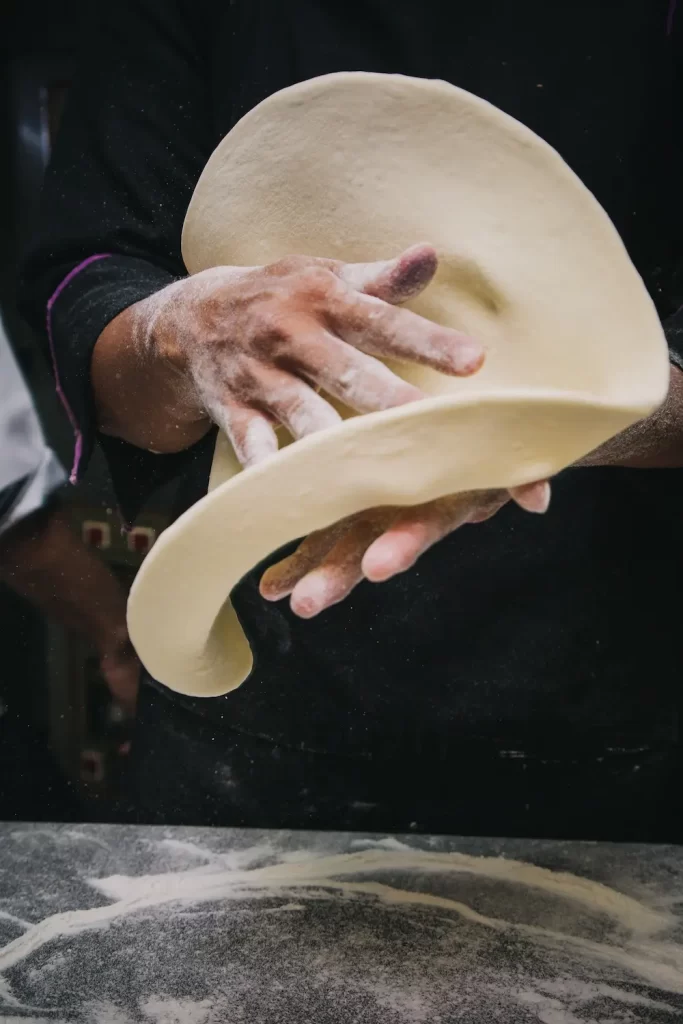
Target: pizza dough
[358, 167]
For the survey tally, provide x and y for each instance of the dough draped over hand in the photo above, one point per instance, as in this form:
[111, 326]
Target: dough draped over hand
[357, 167]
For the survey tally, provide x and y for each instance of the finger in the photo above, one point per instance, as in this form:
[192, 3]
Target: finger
[361, 382]
[394, 280]
[279, 580]
[414, 531]
[532, 497]
[250, 432]
[295, 404]
[341, 569]
[379, 329]
[489, 508]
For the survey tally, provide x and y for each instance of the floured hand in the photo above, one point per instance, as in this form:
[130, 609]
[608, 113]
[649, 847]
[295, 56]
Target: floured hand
[250, 347]
[377, 544]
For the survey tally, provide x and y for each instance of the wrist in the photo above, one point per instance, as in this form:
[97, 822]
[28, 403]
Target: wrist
[653, 443]
[141, 388]
[158, 324]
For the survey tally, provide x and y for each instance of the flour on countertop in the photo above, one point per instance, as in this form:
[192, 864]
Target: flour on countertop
[386, 933]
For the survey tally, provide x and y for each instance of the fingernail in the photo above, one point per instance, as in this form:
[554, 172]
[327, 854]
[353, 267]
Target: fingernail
[541, 500]
[305, 608]
[470, 357]
[379, 569]
[309, 596]
[544, 500]
[380, 574]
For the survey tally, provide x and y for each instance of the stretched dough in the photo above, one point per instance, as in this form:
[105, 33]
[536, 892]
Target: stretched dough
[358, 167]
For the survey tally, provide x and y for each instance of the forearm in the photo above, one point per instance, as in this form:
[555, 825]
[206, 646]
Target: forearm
[44, 561]
[127, 391]
[654, 443]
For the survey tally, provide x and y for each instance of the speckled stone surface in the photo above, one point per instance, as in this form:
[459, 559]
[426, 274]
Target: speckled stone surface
[122, 925]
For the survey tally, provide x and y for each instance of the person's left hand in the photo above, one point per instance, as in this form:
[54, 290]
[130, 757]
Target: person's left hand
[120, 669]
[377, 544]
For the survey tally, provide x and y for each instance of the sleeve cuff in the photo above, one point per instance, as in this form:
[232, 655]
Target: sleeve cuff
[85, 301]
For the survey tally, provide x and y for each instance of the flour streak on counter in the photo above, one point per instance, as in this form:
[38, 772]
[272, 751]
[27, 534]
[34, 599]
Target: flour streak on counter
[416, 934]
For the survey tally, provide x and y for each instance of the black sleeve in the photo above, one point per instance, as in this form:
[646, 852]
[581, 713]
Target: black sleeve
[673, 325]
[133, 141]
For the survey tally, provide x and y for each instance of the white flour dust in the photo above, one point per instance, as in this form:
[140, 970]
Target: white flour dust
[177, 1011]
[156, 1011]
[33, 1020]
[656, 962]
[476, 911]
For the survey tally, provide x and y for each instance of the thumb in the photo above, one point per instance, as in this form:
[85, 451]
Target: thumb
[394, 280]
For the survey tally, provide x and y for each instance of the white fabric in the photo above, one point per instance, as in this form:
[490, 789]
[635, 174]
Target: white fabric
[24, 453]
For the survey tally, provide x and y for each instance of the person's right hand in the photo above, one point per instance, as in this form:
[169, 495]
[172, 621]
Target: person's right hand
[250, 347]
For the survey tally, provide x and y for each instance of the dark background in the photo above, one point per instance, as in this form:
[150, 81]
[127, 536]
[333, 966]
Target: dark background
[58, 733]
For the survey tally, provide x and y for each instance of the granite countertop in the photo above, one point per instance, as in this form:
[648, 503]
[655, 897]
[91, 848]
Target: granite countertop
[122, 924]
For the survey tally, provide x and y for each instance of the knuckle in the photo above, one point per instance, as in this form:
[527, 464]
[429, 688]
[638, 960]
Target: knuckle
[294, 405]
[318, 280]
[272, 332]
[213, 304]
[289, 265]
[271, 321]
[244, 382]
[350, 380]
[307, 279]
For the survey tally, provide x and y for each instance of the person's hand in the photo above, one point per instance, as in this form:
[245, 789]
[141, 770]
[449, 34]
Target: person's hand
[250, 347]
[377, 544]
[120, 670]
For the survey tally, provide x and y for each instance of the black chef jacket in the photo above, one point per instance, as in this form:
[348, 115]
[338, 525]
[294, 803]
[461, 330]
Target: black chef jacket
[550, 637]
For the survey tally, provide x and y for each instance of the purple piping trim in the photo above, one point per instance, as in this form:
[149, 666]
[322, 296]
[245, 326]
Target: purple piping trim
[78, 436]
[670, 16]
